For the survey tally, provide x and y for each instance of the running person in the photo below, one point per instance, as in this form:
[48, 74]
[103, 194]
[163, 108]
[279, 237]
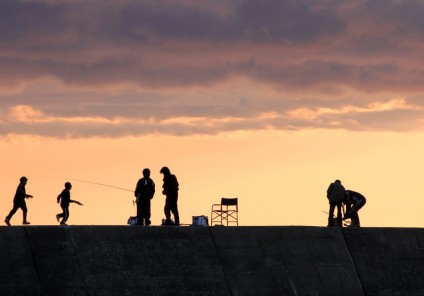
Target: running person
[65, 199]
[19, 202]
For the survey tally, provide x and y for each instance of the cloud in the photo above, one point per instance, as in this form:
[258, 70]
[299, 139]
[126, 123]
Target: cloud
[114, 68]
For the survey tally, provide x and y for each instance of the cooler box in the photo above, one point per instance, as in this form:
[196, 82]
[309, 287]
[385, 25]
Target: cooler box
[200, 221]
[132, 220]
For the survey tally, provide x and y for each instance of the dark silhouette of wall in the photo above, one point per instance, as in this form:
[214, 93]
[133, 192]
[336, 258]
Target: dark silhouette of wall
[130, 260]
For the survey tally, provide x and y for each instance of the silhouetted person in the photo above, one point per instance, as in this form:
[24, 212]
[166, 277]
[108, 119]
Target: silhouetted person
[65, 199]
[144, 192]
[354, 202]
[170, 189]
[335, 195]
[19, 202]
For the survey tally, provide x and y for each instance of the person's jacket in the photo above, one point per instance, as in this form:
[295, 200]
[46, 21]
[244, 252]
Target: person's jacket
[336, 192]
[145, 188]
[355, 198]
[20, 193]
[64, 197]
[170, 185]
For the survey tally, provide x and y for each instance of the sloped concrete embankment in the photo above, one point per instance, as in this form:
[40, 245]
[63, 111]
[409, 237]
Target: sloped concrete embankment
[124, 260]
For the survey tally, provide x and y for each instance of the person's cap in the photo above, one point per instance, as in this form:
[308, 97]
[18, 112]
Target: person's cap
[164, 170]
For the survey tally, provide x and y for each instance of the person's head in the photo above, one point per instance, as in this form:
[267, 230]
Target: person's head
[146, 173]
[338, 181]
[68, 185]
[23, 180]
[165, 171]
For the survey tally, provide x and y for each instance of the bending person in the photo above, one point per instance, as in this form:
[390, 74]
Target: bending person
[144, 192]
[354, 202]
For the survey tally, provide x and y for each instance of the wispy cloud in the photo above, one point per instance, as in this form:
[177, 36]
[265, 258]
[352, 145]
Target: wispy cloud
[114, 68]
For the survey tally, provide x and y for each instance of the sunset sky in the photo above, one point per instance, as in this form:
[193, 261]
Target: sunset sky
[265, 100]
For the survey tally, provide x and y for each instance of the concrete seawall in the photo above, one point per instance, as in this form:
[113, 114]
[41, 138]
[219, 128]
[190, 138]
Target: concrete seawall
[125, 260]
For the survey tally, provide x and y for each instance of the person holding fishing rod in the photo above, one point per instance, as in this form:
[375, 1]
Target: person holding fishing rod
[144, 192]
[65, 199]
[19, 202]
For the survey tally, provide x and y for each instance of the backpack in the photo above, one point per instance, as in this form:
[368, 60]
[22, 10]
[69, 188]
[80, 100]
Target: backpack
[336, 192]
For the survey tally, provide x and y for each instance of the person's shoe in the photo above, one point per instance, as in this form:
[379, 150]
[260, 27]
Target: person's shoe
[57, 217]
[26, 223]
[354, 225]
[148, 223]
[7, 221]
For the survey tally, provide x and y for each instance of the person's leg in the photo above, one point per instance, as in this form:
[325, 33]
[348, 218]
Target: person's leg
[174, 208]
[61, 215]
[355, 219]
[24, 212]
[167, 210]
[139, 212]
[16, 206]
[339, 214]
[331, 214]
[65, 215]
[146, 212]
[175, 213]
[354, 212]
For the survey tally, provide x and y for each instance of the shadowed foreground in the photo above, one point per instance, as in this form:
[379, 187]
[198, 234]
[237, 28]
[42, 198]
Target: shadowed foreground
[124, 260]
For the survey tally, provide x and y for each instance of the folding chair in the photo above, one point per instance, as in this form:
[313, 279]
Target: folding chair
[225, 212]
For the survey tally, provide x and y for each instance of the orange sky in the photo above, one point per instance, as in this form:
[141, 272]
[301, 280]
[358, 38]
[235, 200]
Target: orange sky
[280, 178]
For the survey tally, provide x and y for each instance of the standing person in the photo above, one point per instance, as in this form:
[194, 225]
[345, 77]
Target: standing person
[170, 189]
[144, 192]
[19, 202]
[335, 195]
[354, 202]
[65, 199]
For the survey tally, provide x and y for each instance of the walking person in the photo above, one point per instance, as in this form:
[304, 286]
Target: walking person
[335, 195]
[170, 189]
[354, 202]
[19, 202]
[144, 192]
[64, 198]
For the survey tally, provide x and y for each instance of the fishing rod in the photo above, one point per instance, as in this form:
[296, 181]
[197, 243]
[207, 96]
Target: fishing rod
[90, 182]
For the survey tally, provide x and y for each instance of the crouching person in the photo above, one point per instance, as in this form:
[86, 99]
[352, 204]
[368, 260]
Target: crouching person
[354, 202]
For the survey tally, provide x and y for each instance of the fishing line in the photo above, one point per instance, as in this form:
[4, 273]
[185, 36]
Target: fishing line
[89, 182]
